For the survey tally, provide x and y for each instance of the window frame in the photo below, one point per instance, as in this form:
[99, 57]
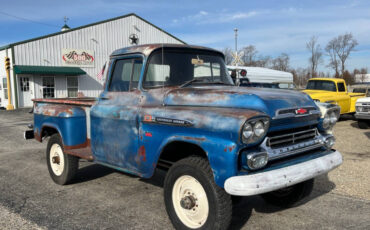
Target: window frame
[78, 84]
[43, 87]
[5, 88]
[113, 66]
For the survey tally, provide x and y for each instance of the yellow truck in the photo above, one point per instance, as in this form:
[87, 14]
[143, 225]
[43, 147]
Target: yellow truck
[334, 91]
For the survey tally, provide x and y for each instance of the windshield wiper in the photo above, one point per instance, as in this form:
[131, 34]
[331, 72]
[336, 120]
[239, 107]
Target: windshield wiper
[190, 82]
[220, 82]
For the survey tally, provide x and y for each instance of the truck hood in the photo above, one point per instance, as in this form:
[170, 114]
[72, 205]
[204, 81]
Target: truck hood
[319, 93]
[264, 100]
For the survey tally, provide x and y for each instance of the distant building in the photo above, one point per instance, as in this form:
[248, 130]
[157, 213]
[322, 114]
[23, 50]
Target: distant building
[362, 78]
[69, 63]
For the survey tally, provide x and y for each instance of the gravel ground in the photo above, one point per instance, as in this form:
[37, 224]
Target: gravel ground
[12, 221]
[352, 177]
[102, 198]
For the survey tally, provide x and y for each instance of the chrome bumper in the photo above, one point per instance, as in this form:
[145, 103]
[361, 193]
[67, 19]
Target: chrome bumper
[263, 182]
[362, 116]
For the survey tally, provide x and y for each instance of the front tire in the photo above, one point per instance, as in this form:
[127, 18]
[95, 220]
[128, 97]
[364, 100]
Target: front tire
[287, 197]
[192, 198]
[363, 124]
[62, 167]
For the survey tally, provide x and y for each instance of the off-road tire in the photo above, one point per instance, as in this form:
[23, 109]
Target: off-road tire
[70, 162]
[363, 124]
[294, 194]
[219, 202]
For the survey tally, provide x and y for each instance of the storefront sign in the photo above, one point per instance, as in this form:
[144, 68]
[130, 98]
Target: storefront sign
[78, 58]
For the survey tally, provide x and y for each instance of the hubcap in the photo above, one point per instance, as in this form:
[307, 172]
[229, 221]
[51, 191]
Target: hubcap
[190, 201]
[56, 159]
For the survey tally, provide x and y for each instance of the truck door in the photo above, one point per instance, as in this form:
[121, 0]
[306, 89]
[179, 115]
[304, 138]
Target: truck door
[114, 119]
[344, 100]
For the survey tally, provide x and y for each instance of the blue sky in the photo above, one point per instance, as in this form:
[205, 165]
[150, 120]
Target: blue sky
[272, 26]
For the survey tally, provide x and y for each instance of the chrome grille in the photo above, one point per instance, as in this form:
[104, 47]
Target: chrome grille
[365, 107]
[276, 141]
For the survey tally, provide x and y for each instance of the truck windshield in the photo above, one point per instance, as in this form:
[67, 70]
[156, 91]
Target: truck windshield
[180, 68]
[321, 85]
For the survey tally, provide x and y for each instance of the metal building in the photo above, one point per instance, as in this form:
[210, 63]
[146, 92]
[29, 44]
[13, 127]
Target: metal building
[69, 63]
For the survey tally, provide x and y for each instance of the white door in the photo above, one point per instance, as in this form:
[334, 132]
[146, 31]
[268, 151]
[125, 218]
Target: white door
[25, 91]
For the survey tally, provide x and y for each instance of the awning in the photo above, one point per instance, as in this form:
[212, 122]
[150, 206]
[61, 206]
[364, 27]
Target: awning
[48, 70]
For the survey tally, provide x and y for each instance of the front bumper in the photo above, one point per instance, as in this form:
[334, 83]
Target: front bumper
[362, 116]
[263, 182]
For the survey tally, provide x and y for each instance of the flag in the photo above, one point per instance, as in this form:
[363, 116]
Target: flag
[101, 73]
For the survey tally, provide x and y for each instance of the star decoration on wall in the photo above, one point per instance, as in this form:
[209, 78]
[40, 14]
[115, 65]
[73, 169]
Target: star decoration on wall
[134, 39]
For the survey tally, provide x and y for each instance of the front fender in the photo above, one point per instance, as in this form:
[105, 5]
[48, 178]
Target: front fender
[222, 154]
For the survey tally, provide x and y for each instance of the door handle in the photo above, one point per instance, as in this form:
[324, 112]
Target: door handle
[104, 97]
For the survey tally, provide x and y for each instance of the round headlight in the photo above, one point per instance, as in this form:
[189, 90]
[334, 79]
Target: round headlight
[326, 122]
[259, 128]
[247, 131]
[333, 118]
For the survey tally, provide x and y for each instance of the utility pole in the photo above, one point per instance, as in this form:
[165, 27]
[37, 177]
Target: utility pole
[236, 40]
[7, 69]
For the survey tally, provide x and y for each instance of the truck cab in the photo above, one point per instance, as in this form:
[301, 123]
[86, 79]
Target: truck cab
[334, 91]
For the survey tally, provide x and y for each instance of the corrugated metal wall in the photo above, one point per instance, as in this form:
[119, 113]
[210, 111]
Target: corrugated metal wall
[102, 38]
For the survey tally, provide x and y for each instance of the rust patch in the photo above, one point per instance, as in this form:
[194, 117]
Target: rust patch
[195, 138]
[231, 148]
[86, 101]
[79, 146]
[142, 153]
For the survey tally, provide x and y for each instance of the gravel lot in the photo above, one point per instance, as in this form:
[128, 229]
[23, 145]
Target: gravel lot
[102, 198]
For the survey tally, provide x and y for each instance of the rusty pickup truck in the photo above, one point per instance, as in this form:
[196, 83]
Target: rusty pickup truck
[175, 107]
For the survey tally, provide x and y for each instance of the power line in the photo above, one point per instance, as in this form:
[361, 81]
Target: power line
[29, 20]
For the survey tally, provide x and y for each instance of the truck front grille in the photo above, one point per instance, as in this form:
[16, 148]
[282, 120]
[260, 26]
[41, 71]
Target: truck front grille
[294, 137]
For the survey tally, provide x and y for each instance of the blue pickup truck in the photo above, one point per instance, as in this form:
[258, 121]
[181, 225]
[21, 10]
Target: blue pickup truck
[175, 107]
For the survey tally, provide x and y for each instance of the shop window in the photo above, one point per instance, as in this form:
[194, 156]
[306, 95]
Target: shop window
[48, 87]
[72, 86]
[5, 88]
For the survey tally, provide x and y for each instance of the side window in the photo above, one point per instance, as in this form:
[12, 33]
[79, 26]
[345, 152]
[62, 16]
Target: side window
[341, 87]
[123, 71]
[138, 64]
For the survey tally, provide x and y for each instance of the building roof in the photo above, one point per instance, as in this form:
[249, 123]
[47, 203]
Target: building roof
[47, 70]
[88, 25]
[149, 48]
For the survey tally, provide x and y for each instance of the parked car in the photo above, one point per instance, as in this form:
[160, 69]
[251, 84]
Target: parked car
[214, 139]
[363, 112]
[362, 88]
[333, 90]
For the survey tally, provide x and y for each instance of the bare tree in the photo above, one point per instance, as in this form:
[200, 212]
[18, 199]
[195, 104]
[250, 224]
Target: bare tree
[228, 55]
[339, 49]
[249, 55]
[281, 62]
[331, 51]
[263, 61]
[346, 44]
[316, 55]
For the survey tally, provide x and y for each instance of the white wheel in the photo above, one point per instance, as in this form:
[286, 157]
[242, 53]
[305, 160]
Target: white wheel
[190, 201]
[56, 159]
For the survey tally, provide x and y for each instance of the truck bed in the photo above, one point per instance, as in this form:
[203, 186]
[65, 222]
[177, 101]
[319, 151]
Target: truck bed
[70, 117]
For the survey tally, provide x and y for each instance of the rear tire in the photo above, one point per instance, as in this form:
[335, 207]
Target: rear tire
[363, 124]
[62, 167]
[287, 197]
[192, 198]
